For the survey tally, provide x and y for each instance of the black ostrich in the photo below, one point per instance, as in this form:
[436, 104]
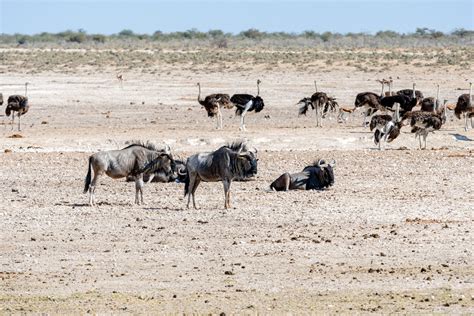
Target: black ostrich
[247, 103]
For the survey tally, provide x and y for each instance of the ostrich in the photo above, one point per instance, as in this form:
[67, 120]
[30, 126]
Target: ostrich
[370, 101]
[414, 96]
[423, 123]
[245, 103]
[120, 79]
[213, 103]
[17, 103]
[464, 107]
[387, 128]
[319, 101]
[431, 104]
[407, 99]
[305, 103]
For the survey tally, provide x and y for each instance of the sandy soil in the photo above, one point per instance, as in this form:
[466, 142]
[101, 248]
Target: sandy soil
[393, 235]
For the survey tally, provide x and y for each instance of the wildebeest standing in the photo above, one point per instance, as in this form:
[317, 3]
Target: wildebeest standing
[318, 176]
[225, 164]
[135, 160]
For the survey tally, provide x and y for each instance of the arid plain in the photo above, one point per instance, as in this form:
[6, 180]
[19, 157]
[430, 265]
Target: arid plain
[393, 235]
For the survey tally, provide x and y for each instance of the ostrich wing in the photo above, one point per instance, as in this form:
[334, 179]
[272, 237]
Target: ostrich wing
[241, 99]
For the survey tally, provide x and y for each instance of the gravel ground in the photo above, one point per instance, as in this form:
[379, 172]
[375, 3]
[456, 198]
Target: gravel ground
[394, 234]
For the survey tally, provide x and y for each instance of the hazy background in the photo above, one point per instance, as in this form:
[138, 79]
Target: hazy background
[107, 17]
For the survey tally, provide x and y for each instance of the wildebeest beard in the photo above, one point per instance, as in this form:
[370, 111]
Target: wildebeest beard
[244, 167]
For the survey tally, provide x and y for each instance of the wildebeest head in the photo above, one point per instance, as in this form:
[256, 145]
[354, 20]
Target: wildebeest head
[328, 171]
[321, 175]
[247, 164]
[163, 163]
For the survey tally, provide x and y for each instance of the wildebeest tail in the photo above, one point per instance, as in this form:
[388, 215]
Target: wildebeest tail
[87, 181]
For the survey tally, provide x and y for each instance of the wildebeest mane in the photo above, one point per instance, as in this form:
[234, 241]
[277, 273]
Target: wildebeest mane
[237, 146]
[148, 145]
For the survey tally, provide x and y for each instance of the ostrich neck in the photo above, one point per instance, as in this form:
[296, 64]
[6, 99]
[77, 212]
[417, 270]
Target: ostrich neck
[414, 94]
[381, 93]
[397, 113]
[201, 101]
[470, 93]
[258, 89]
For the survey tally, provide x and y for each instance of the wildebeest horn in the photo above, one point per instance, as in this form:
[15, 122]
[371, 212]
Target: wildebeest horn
[321, 163]
[167, 149]
[332, 163]
[181, 173]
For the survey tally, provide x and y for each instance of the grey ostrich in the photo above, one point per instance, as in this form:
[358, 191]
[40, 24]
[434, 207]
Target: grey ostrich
[464, 107]
[17, 103]
[213, 104]
[423, 123]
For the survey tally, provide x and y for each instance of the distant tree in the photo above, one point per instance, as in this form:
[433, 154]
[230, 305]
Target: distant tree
[310, 34]
[253, 34]
[387, 33]
[99, 38]
[126, 32]
[421, 31]
[77, 38]
[326, 36]
[462, 32]
[215, 33]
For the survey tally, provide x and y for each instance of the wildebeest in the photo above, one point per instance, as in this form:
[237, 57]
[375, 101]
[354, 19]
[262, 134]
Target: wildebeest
[318, 176]
[225, 164]
[135, 160]
[160, 176]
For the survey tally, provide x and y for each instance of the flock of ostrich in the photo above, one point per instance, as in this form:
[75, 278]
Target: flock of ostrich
[429, 117]
[388, 112]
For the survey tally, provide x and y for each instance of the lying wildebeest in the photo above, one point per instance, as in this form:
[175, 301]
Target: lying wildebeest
[135, 160]
[160, 176]
[318, 176]
[225, 164]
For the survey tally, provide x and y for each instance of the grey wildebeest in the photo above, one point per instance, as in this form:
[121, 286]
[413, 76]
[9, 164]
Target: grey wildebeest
[318, 176]
[160, 176]
[135, 160]
[225, 164]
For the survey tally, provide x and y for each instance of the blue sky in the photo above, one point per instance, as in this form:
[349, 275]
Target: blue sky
[146, 16]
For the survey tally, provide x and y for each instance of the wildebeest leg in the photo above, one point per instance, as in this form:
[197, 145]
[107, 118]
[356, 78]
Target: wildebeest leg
[195, 185]
[139, 189]
[226, 183]
[219, 118]
[287, 181]
[150, 177]
[92, 187]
